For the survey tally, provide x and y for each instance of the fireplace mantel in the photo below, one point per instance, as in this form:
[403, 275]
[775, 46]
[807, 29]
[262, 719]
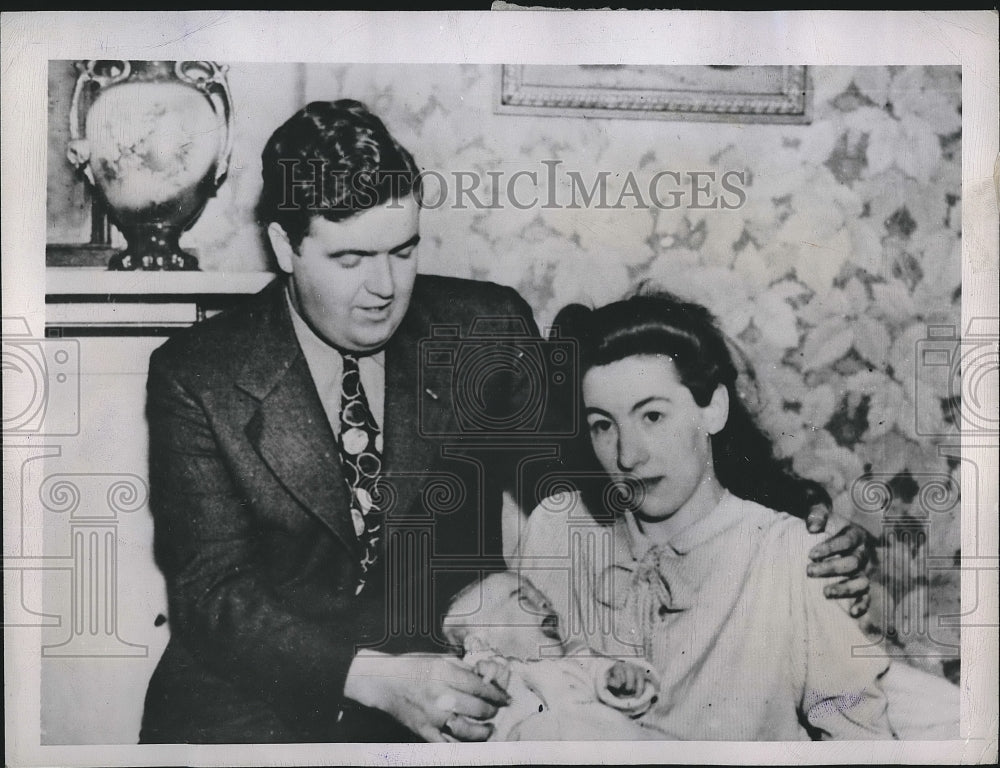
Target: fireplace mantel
[83, 301]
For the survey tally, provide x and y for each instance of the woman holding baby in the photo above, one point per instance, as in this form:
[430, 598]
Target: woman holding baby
[697, 574]
[664, 597]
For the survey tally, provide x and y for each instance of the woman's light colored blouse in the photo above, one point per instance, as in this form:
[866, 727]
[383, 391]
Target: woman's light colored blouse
[746, 645]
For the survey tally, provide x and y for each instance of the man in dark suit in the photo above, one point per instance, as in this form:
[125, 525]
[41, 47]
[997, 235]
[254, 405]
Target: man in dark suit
[317, 496]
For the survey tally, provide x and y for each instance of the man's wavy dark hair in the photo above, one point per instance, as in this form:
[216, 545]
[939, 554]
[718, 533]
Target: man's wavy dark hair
[332, 159]
[663, 324]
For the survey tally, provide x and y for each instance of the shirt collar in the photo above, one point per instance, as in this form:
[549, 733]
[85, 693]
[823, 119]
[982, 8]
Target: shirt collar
[726, 514]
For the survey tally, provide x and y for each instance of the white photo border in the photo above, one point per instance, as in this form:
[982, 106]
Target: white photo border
[31, 39]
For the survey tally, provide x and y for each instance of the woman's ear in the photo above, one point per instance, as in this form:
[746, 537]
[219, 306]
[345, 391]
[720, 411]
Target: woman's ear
[281, 246]
[716, 413]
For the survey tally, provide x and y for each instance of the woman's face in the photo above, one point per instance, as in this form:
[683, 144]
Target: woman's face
[644, 424]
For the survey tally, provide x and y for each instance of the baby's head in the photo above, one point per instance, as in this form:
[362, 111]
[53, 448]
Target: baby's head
[505, 613]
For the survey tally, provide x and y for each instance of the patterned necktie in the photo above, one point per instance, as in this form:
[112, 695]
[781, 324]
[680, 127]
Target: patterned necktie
[360, 444]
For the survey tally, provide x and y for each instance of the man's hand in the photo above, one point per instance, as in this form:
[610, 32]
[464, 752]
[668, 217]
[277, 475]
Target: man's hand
[435, 696]
[844, 554]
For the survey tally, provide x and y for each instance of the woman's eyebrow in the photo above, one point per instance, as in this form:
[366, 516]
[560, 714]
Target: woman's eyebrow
[590, 410]
[647, 401]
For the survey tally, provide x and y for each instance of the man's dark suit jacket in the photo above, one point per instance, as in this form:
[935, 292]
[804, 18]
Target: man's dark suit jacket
[252, 525]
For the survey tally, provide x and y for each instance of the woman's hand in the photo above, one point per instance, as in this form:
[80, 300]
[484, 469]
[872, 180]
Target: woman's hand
[843, 554]
[435, 696]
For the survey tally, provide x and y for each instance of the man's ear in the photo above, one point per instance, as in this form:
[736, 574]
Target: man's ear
[281, 246]
[716, 413]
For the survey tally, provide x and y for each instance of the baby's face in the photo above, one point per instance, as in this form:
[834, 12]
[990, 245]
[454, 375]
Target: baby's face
[508, 614]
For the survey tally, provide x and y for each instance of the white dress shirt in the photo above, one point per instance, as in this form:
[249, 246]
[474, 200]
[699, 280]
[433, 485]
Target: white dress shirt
[326, 365]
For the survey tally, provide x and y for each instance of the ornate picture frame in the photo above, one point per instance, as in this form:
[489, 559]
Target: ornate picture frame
[736, 94]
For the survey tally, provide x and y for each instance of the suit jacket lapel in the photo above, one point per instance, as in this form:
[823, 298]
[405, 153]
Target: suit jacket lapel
[417, 404]
[290, 430]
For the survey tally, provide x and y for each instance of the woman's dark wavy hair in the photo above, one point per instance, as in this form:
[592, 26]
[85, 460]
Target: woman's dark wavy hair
[333, 159]
[663, 324]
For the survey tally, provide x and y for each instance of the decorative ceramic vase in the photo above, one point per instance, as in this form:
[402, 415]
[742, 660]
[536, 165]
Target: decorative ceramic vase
[154, 139]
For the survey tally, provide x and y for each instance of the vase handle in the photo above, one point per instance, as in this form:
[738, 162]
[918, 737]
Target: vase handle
[209, 77]
[97, 74]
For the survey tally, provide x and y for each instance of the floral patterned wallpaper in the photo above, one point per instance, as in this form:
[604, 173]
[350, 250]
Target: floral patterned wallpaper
[838, 257]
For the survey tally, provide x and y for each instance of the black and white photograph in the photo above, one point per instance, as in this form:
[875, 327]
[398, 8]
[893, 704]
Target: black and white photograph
[521, 386]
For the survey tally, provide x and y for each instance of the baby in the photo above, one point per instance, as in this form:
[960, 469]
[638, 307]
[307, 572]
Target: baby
[510, 634]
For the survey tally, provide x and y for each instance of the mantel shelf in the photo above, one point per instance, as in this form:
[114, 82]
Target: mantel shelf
[87, 281]
[82, 301]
